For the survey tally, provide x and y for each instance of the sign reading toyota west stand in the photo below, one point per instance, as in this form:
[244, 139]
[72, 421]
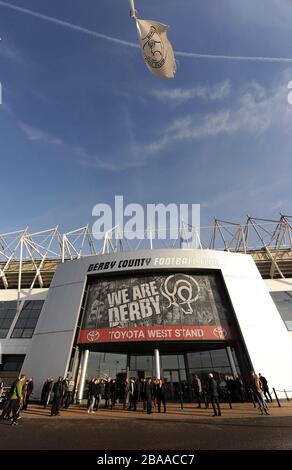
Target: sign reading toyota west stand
[155, 307]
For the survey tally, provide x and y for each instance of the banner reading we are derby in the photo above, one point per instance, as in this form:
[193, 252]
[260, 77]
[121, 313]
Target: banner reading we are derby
[156, 307]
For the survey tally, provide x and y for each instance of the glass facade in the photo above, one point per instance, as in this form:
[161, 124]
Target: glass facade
[28, 318]
[141, 366]
[177, 370]
[215, 361]
[104, 365]
[283, 301]
[7, 314]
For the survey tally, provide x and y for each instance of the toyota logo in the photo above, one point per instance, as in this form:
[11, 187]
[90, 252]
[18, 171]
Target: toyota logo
[220, 332]
[93, 336]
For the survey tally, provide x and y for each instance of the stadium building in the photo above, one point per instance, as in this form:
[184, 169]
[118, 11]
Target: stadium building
[69, 307]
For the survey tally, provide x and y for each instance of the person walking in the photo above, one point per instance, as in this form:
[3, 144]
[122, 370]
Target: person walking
[24, 390]
[29, 391]
[107, 392]
[149, 395]
[256, 389]
[198, 390]
[49, 392]
[113, 393]
[143, 393]
[57, 397]
[160, 394]
[69, 394]
[137, 391]
[132, 396]
[98, 394]
[16, 399]
[126, 391]
[64, 391]
[92, 392]
[214, 394]
[265, 388]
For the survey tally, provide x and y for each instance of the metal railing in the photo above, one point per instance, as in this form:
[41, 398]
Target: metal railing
[274, 391]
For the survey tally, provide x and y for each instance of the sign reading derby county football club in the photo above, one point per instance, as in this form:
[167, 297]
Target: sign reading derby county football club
[171, 307]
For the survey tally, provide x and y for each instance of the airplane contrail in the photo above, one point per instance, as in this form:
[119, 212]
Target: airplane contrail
[113, 39]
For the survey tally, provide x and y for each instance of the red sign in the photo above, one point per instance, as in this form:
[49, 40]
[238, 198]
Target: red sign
[156, 333]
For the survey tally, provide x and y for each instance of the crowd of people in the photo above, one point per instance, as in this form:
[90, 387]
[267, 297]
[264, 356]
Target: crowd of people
[232, 390]
[149, 392]
[132, 391]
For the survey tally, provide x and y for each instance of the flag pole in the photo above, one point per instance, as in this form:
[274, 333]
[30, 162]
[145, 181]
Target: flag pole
[133, 9]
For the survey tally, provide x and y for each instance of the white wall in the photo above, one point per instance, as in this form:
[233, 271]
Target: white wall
[50, 349]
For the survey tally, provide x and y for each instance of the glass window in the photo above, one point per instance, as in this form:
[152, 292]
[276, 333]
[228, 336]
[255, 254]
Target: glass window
[7, 314]
[16, 333]
[138, 362]
[215, 361]
[201, 359]
[104, 365]
[283, 301]
[12, 362]
[27, 333]
[171, 361]
[219, 358]
[3, 333]
[28, 318]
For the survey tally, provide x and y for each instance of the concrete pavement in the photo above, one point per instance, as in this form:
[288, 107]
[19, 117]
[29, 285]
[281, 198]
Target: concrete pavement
[240, 428]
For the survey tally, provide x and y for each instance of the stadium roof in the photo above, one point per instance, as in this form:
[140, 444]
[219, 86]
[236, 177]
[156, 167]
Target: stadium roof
[29, 260]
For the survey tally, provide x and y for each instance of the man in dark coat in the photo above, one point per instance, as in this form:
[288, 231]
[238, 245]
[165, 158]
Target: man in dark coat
[113, 393]
[143, 393]
[107, 392]
[47, 390]
[265, 388]
[126, 390]
[29, 390]
[132, 396]
[137, 391]
[198, 390]
[149, 395]
[57, 398]
[160, 395]
[214, 395]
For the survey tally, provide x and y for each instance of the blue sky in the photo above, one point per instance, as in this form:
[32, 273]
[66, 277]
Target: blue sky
[82, 119]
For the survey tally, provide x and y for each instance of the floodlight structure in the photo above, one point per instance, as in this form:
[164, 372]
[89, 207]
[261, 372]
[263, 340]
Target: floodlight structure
[28, 260]
[269, 242]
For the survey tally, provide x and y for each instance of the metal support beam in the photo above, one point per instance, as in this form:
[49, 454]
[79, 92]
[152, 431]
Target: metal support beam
[85, 357]
[157, 363]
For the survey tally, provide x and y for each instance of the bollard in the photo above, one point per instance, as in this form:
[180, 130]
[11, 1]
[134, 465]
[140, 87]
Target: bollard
[279, 404]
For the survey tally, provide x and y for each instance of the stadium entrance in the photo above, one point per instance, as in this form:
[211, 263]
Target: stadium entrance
[172, 326]
[176, 369]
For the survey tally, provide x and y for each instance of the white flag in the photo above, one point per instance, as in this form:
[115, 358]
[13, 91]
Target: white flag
[156, 48]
